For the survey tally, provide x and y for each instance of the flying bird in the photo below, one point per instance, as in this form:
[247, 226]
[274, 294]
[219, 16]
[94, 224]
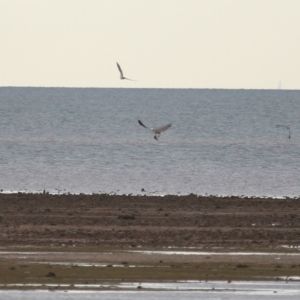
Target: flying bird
[287, 127]
[121, 74]
[157, 130]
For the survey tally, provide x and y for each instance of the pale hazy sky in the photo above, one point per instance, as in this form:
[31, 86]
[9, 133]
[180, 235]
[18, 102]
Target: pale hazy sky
[160, 43]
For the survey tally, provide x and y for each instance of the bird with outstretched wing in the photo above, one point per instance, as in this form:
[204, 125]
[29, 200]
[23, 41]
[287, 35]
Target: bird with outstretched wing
[121, 74]
[157, 131]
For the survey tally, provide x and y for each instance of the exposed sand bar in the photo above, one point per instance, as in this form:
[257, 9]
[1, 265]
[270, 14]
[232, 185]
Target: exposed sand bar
[179, 221]
[98, 238]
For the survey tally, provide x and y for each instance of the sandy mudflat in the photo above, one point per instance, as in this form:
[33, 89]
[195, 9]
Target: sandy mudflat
[105, 229]
[181, 221]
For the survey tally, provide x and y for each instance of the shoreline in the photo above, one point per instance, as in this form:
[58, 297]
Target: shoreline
[143, 194]
[206, 238]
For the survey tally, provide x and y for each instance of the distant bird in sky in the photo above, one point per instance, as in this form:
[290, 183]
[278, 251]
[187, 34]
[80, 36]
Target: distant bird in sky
[121, 74]
[287, 127]
[157, 130]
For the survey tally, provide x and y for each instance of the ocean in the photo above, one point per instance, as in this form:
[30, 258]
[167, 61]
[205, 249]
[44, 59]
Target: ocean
[88, 140]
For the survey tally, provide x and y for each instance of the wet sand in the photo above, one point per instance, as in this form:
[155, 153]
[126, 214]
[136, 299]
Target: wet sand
[123, 221]
[105, 229]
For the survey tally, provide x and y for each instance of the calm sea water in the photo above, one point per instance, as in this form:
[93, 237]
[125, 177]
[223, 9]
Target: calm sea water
[222, 142]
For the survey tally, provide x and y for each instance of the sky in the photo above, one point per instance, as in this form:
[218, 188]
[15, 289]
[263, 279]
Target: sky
[230, 44]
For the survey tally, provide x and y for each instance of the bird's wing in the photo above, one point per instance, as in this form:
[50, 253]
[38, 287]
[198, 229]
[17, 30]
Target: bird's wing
[140, 122]
[287, 127]
[120, 69]
[162, 128]
[129, 79]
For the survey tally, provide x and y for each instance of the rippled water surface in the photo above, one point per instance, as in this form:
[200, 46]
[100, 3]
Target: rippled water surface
[222, 142]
